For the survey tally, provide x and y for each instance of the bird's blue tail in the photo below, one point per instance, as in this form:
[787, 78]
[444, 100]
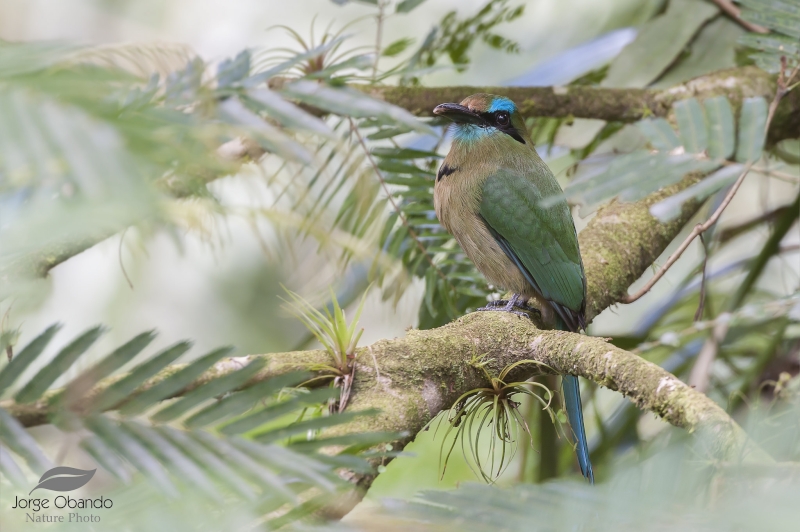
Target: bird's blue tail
[572, 402]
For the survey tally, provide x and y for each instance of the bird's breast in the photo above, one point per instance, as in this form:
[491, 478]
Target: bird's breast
[457, 199]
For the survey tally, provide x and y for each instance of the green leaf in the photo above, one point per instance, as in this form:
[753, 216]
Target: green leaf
[778, 15]
[713, 49]
[107, 458]
[23, 359]
[397, 47]
[221, 385]
[10, 469]
[56, 368]
[173, 459]
[209, 460]
[283, 459]
[668, 209]
[131, 450]
[246, 464]
[404, 153]
[275, 411]
[25, 58]
[231, 71]
[174, 383]
[387, 133]
[356, 464]
[314, 53]
[658, 43]
[361, 440]
[14, 435]
[318, 423]
[752, 123]
[406, 6]
[351, 102]
[772, 62]
[396, 167]
[123, 388]
[660, 134]
[118, 358]
[288, 114]
[774, 43]
[773, 47]
[721, 132]
[692, 127]
[788, 150]
[240, 402]
[270, 137]
[632, 176]
[358, 62]
[430, 291]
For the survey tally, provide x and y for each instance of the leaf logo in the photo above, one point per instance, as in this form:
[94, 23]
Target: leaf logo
[64, 479]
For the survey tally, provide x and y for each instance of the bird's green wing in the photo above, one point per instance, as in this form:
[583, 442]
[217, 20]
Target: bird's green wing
[542, 240]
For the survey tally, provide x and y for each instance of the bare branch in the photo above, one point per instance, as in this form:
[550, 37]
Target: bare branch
[699, 229]
[735, 13]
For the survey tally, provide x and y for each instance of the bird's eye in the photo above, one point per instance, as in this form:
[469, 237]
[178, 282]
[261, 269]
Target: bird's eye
[502, 118]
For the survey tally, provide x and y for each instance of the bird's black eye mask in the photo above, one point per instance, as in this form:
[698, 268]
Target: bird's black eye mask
[501, 120]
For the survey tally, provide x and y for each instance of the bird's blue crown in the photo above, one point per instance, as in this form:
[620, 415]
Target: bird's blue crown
[502, 104]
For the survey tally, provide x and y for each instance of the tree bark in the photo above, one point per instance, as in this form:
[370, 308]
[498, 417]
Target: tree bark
[610, 104]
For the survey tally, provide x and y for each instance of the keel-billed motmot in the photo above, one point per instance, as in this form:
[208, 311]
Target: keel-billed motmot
[488, 194]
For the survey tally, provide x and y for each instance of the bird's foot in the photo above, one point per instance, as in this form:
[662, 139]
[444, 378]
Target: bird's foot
[492, 305]
[502, 305]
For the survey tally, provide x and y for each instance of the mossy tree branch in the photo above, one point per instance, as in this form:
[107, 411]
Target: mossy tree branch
[622, 105]
[413, 378]
[610, 104]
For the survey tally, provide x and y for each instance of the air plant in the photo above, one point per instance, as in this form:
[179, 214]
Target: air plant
[495, 405]
[316, 59]
[339, 339]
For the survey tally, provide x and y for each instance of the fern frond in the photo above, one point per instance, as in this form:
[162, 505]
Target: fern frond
[216, 425]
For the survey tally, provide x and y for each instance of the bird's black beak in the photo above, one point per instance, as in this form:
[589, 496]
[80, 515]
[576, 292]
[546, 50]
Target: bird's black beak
[458, 113]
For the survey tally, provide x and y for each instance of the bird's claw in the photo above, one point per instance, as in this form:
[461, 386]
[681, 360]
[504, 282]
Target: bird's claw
[503, 309]
[503, 305]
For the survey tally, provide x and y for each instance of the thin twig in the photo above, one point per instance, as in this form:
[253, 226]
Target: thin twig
[735, 13]
[701, 228]
[378, 38]
[733, 231]
[789, 248]
[701, 371]
[698, 229]
[395, 206]
[3, 322]
[782, 176]
[698, 315]
[119, 257]
[375, 361]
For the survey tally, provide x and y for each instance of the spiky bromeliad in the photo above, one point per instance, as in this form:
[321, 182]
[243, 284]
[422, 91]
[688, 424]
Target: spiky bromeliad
[488, 194]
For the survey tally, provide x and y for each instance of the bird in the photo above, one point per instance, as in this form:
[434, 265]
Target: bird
[489, 194]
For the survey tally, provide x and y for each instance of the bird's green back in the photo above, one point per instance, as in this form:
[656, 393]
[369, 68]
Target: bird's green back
[542, 238]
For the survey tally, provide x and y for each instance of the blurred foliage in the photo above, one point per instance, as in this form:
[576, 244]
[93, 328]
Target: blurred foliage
[664, 486]
[454, 37]
[230, 441]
